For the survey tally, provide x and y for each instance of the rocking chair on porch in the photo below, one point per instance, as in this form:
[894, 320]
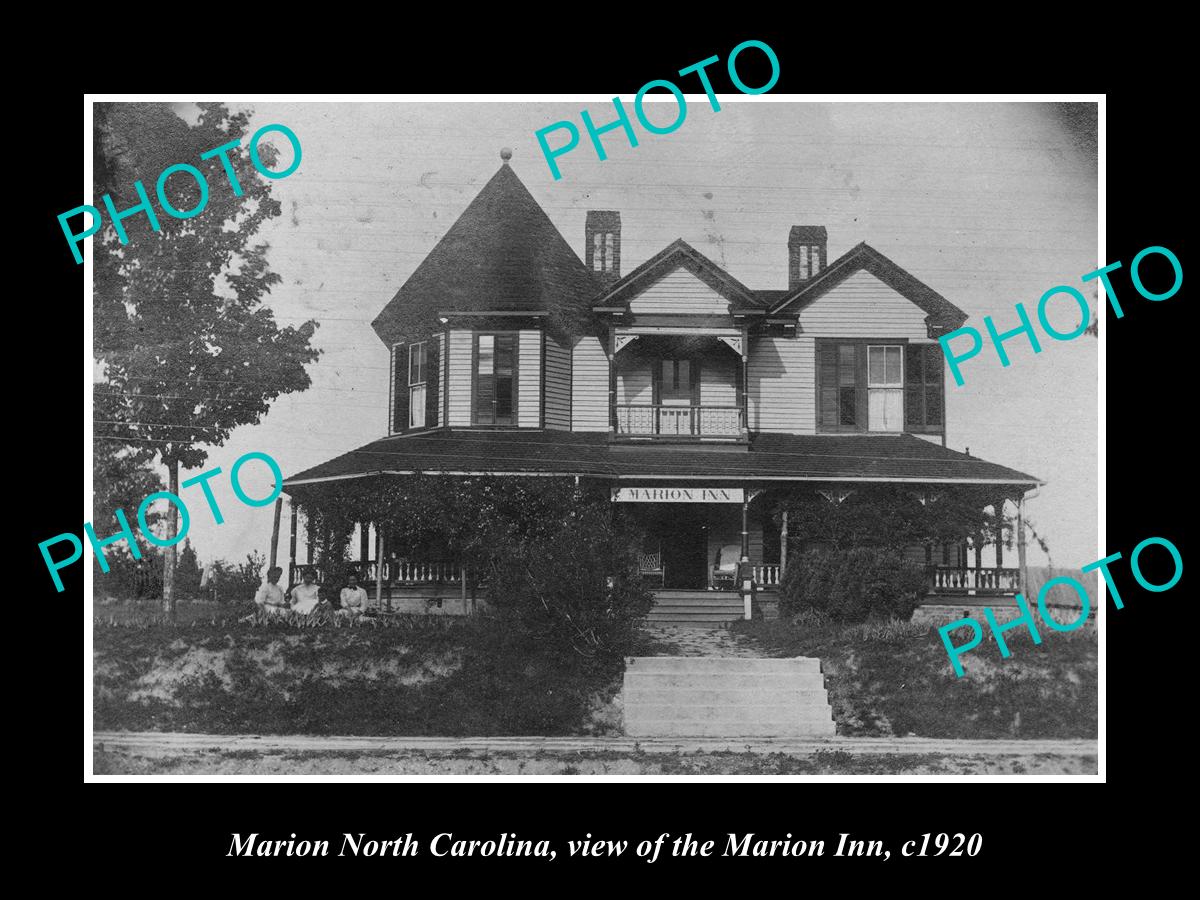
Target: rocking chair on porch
[651, 564]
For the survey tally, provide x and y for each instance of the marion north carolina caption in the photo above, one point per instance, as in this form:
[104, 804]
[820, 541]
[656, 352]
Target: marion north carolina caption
[511, 844]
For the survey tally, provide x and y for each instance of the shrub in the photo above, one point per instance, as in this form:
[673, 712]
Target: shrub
[853, 585]
[578, 586]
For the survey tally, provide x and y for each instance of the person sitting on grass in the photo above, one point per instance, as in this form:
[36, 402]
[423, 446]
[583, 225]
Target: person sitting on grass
[269, 598]
[307, 595]
[353, 597]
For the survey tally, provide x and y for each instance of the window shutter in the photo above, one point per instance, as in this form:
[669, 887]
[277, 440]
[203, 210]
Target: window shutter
[934, 387]
[860, 393]
[432, 371]
[914, 389]
[400, 388]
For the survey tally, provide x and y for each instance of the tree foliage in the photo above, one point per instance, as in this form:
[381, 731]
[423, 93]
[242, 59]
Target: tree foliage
[187, 348]
[892, 516]
[546, 548]
[853, 585]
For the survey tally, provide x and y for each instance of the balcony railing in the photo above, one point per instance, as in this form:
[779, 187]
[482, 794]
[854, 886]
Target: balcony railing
[680, 421]
[988, 580]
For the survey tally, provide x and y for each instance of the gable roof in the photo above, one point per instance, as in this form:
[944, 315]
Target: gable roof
[502, 254]
[942, 314]
[676, 254]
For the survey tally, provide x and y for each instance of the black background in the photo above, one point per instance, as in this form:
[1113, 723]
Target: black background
[1150, 401]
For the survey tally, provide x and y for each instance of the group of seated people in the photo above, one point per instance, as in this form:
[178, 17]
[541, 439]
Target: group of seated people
[305, 598]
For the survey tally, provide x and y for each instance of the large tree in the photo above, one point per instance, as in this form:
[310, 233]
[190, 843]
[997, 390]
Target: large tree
[187, 350]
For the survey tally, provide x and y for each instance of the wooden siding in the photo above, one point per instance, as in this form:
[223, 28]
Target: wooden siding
[529, 379]
[634, 381]
[719, 373]
[863, 306]
[782, 395]
[458, 377]
[679, 291]
[558, 385]
[589, 385]
[441, 405]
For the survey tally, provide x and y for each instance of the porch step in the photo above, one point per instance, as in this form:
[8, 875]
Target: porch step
[706, 608]
[702, 696]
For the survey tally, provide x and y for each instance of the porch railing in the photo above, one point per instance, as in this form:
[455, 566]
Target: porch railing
[766, 576]
[395, 571]
[685, 421]
[987, 580]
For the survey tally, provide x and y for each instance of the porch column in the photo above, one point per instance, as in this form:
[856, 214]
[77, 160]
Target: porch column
[783, 541]
[275, 533]
[745, 573]
[291, 541]
[379, 567]
[1024, 569]
[308, 541]
[999, 533]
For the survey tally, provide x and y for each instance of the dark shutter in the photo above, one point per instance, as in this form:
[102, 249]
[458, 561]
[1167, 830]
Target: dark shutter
[400, 388]
[914, 388]
[860, 392]
[935, 387]
[432, 372]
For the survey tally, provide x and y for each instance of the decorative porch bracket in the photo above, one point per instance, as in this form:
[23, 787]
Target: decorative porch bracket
[734, 343]
[621, 341]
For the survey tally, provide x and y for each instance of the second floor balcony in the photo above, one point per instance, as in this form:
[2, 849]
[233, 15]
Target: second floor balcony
[649, 420]
[678, 387]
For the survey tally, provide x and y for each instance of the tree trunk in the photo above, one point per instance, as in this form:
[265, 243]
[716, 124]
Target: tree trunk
[169, 552]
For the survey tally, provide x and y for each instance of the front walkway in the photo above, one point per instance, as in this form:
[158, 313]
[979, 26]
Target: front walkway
[677, 640]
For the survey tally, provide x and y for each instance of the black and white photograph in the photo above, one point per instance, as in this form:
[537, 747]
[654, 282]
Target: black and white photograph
[521, 439]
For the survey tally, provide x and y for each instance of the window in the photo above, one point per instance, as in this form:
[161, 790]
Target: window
[924, 389]
[495, 379]
[840, 407]
[860, 386]
[885, 388]
[418, 363]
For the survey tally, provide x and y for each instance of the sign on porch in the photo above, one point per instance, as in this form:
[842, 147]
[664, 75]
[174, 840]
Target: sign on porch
[676, 495]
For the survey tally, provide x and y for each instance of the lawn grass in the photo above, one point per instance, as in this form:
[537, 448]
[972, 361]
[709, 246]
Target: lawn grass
[895, 679]
[419, 675]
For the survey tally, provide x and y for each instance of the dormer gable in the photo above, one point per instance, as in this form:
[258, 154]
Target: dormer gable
[679, 280]
[939, 314]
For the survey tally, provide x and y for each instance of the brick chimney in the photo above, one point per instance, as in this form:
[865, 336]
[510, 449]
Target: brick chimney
[602, 243]
[806, 254]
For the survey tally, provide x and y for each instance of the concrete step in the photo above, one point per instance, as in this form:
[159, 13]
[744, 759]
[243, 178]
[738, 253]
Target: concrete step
[732, 729]
[716, 681]
[704, 696]
[650, 693]
[710, 712]
[722, 664]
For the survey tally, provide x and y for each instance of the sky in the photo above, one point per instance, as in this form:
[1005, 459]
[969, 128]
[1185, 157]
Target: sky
[988, 204]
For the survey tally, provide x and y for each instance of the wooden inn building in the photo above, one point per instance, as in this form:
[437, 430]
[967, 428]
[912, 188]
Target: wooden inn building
[691, 395]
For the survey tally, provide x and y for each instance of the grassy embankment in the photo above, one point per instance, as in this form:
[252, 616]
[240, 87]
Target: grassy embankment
[895, 678]
[418, 675]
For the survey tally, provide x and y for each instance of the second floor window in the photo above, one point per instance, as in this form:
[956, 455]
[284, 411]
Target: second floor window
[495, 379]
[867, 386]
[418, 362]
[885, 388]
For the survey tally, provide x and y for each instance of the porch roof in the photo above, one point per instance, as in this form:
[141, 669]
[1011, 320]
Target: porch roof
[768, 458]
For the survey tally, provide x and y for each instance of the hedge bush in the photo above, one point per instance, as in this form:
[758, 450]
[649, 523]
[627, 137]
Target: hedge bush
[853, 585]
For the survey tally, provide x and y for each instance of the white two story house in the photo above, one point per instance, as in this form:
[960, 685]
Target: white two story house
[690, 394]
